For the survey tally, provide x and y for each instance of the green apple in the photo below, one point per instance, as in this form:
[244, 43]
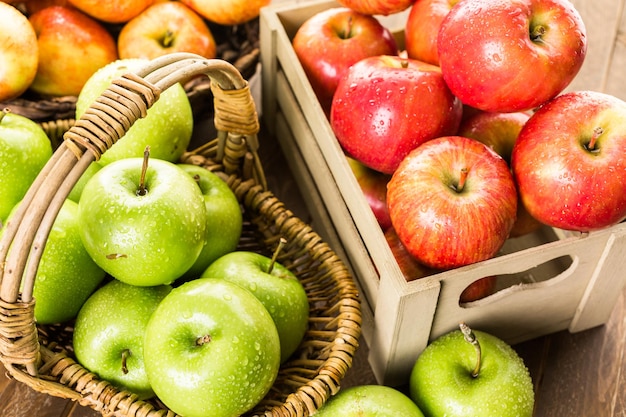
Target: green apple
[224, 218]
[468, 373]
[24, 150]
[369, 401]
[66, 275]
[211, 349]
[143, 231]
[109, 334]
[275, 286]
[77, 190]
[167, 128]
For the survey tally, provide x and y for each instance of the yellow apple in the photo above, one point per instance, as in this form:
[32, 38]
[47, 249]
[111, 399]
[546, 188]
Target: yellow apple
[18, 54]
[163, 28]
[112, 11]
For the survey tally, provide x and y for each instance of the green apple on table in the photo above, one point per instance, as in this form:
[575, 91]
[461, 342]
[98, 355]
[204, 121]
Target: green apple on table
[278, 289]
[211, 349]
[109, 333]
[369, 401]
[469, 373]
[167, 128]
[66, 275]
[24, 150]
[224, 218]
[19, 53]
[143, 229]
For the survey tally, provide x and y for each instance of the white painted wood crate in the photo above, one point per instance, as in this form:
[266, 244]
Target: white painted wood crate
[552, 280]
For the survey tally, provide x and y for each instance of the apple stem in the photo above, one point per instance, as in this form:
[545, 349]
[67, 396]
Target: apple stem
[470, 337]
[594, 138]
[144, 168]
[125, 355]
[279, 248]
[462, 179]
[347, 34]
[4, 112]
[203, 340]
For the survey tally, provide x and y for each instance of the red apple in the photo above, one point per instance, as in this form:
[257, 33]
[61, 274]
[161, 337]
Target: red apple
[569, 162]
[18, 53]
[380, 7]
[409, 266]
[478, 289]
[112, 11]
[510, 55]
[329, 42]
[72, 46]
[227, 12]
[422, 28]
[163, 28]
[374, 187]
[33, 6]
[499, 131]
[411, 270]
[385, 106]
[452, 202]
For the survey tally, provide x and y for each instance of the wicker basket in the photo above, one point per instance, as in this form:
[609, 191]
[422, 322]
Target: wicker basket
[42, 356]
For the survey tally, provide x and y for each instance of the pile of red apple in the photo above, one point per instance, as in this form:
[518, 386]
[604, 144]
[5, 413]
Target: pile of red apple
[466, 137]
[51, 47]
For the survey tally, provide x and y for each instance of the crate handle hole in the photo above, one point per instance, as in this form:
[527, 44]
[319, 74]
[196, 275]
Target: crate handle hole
[487, 289]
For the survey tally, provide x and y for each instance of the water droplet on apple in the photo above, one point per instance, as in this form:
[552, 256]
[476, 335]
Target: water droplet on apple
[227, 297]
[257, 346]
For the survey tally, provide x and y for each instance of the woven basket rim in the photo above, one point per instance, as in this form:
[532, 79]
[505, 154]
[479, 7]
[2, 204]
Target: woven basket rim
[233, 155]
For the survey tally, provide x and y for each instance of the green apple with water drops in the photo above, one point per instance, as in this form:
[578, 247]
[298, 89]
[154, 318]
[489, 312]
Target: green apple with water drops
[211, 349]
[369, 401]
[66, 275]
[280, 291]
[143, 220]
[167, 127]
[469, 373]
[224, 218]
[77, 190]
[109, 333]
[24, 150]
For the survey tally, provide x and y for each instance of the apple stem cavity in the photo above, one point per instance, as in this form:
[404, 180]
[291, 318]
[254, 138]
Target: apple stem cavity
[281, 243]
[537, 32]
[125, 355]
[347, 34]
[168, 39]
[470, 337]
[203, 340]
[591, 146]
[144, 168]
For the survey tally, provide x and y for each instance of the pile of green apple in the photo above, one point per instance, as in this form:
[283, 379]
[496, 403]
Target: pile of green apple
[143, 259]
[52, 47]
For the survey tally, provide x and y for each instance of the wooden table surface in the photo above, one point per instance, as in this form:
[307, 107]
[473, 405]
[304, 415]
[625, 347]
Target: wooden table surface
[581, 374]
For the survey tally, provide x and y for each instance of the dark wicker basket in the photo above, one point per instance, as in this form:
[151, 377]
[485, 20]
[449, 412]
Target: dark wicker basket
[42, 356]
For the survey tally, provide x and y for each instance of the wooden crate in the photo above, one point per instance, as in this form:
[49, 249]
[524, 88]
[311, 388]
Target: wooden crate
[549, 281]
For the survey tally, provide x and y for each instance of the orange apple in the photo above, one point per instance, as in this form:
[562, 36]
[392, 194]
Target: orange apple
[227, 12]
[72, 46]
[112, 11]
[18, 52]
[163, 28]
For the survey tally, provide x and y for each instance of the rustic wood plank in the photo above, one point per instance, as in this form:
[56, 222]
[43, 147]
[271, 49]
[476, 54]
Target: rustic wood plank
[601, 20]
[616, 76]
[580, 373]
[19, 400]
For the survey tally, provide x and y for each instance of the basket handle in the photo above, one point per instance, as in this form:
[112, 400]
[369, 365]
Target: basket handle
[103, 123]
